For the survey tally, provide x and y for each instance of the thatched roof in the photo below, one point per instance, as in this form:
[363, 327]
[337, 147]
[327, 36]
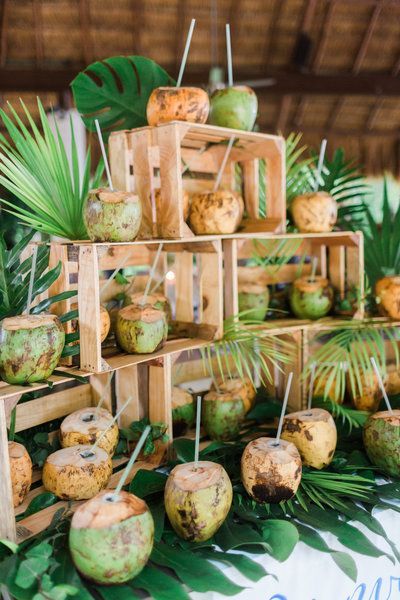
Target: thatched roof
[335, 63]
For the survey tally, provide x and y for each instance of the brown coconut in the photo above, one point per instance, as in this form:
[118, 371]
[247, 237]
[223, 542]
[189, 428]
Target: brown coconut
[84, 426]
[371, 395]
[185, 201]
[237, 386]
[321, 391]
[70, 475]
[387, 291]
[392, 380]
[314, 434]
[271, 472]
[315, 212]
[215, 212]
[21, 471]
[177, 104]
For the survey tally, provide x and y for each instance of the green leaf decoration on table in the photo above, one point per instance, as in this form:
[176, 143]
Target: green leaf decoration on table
[281, 536]
[36, 169]
[116, 90]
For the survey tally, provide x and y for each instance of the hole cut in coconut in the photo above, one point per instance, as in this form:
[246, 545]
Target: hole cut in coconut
[87, 454]
[111, 498]
[88, 417]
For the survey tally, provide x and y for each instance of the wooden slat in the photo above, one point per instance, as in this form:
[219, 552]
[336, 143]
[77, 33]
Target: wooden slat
[143, 170]
[101, 386]
[89, 309]
[183, 269]
[7, 521]
[231, 303]
[337, 269]
[127, 386]
[211, 299]
[160, 392]
[251, 187]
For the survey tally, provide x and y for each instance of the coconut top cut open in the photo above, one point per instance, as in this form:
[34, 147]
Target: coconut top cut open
[146, 313]
[224, 395]
[280, 453]
[16, 450]
[391, 417]
[87, 420]
[114, 197]
[72, 456]
[308, 284]
[28, 322]
[251, 288]
[150, 298]
[104, 510]
[310, 415]
[180, 397]
[190, 477]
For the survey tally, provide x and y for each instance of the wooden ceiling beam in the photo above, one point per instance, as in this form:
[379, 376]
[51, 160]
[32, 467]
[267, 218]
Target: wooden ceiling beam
[272, 82]
[4, 6]
[38, 25]
[85, 30]
[325, 29]
[272, 30]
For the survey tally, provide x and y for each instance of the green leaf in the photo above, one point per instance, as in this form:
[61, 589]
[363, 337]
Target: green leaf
[117, 592]
[40, 502]
[233, 535]
[159, 585]
[281, 536]
[195, 572]
[29, 570]
[245, 565]
[116, 91]
[10, 545]
[184, 449]
[346, 563]
[42, 550]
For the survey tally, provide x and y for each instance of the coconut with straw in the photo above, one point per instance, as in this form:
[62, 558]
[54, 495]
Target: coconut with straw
[312, 431]
[111, 535]
[271, 467]
[311, 297]
[21, 471]
[234, 106]
[381, 434]
[111, 215]
[219, 211]
[178, 103]
[198, 495]
[30, 344]
[315, 212]
[141, 328]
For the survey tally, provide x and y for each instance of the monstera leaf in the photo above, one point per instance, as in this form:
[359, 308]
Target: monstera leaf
[116, 90]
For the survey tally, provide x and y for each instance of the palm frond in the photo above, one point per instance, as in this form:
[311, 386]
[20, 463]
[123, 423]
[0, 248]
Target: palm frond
[350, 417]
[36, 170]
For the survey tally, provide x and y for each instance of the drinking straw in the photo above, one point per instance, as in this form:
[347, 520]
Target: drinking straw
[311, 388]
[197, 439]
[320, 164]
[107, 283]
[223, 164]
[285, 401]
[31, 279]
[151, 275]
[129, 465]
[103, 395]
[185, 53]
[87, 453]
[385, 396]
[314, 264]
[103, 151]
[229, 54]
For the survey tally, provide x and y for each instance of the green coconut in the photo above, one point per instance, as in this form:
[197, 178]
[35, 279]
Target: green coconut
[234, 107]
[238, 386]
[254, 299]
[271, 471]
[112, 216]
[183, 410]
[311, 298]
[382, 441]
[30, 347]
[141, 330]
[223, 413]
[111, 539]
[197, 499]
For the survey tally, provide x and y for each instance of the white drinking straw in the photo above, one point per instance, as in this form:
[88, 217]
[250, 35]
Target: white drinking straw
[31, 279]
[229, 54]
[129, 465]
[285, 401]
[314, 264]
[320, 164]
[103, 151]
[385, 396]
[107, 283]
[197, 438]
[311, 388]
[223, 164]
[185, 53]
[151, 275]
[87, 453]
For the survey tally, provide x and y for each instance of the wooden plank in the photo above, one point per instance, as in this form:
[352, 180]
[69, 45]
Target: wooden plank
[101, 386]
[51, 407]
[183, 269]
[121, 161]
[134, 256]
[89, 309]
[211, 294]
[251, 187]
[231, 302]
[160, 394]
[144, 180]
[7, 521]
[276, 185]
[337, 269]
[127, 386]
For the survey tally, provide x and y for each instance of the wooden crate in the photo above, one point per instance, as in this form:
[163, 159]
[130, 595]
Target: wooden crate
[340, 259]
[197, 268]
[149, 387]
[182, 156]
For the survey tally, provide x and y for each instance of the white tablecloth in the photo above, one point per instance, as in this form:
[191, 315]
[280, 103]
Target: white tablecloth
[311, 575]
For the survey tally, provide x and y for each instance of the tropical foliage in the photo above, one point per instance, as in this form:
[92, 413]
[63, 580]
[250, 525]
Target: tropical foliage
[116, 90]
[35, 168]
